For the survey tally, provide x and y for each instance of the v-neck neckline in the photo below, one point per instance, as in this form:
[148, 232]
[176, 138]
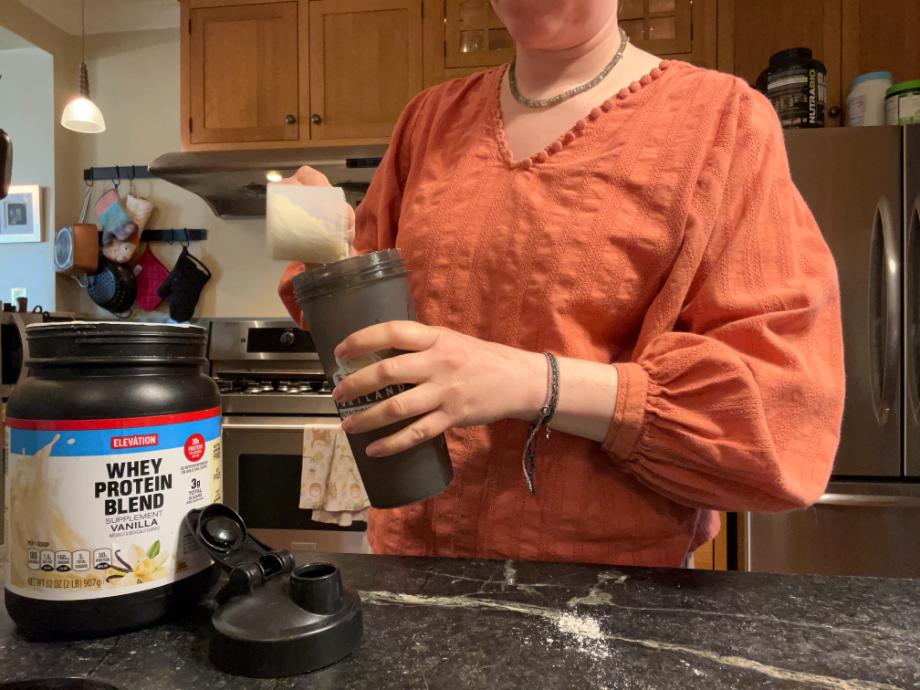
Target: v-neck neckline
[573, 132]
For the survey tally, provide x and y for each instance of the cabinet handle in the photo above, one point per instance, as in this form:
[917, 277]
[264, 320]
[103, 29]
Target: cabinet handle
[290, 119]
[315, 119]
[833, 112]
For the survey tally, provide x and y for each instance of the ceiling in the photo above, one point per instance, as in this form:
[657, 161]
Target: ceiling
[108, 16]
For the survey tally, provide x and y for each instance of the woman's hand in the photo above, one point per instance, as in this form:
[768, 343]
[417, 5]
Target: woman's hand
[459, 381]
[310, 177]
[307, 177]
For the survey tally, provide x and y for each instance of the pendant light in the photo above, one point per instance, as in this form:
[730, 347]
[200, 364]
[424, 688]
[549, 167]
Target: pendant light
[81, 114]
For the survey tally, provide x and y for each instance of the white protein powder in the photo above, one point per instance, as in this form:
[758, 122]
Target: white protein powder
[306, 223]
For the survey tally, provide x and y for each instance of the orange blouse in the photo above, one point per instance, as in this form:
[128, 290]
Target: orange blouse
[662, 234]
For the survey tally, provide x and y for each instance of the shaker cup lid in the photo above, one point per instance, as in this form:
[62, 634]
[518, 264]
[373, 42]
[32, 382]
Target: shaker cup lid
[348, 273]
[273, 619]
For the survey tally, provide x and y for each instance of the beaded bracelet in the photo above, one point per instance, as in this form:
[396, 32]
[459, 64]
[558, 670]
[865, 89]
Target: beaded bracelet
[529, 459]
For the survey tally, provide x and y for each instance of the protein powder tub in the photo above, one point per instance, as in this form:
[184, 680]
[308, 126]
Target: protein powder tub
[113, 437]
[796, 85]
[902, 103]
[866, 101]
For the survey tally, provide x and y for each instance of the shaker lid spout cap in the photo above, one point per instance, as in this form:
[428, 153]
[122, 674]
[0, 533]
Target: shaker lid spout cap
[273, 619]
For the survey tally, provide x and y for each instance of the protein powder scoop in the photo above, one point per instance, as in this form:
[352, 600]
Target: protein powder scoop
[304, 223]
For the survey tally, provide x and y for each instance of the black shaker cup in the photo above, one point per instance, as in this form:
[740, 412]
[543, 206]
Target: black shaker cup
[337, 300]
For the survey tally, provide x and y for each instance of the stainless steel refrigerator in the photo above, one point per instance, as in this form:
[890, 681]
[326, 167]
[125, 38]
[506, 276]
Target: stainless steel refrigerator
[863, 186]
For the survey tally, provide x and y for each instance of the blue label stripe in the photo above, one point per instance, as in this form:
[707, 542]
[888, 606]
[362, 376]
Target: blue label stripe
[99, 441]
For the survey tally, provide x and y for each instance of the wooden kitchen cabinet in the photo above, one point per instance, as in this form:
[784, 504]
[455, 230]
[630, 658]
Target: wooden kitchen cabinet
[294, 73]
[663, 27]
[462, 37]
[881, 35]
[850, 37]
[750, 31]
[676, 29]
[283, 73]
[365, 65]
[241, 71]
[474, 35]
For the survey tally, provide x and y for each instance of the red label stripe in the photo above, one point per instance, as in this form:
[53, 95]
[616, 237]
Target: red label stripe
[96, 424]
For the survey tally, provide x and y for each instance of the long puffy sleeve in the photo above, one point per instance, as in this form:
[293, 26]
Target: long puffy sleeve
[286, 291]
[738, 405]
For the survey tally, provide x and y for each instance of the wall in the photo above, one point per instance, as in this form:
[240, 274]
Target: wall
[105, 16]
[10, 40]
[65, 53]
[27, 114]
[64, 195]
[135, 82]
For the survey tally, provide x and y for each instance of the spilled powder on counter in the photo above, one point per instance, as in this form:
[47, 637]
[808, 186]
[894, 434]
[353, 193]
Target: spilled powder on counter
[588, 636]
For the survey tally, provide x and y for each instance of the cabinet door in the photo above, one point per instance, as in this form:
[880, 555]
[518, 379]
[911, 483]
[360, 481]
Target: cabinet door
[462, 37]
[663, 27]
[750, 31]
[365, 64]
[474, 35]
[243, 73]
[677, 29]
[881, 35]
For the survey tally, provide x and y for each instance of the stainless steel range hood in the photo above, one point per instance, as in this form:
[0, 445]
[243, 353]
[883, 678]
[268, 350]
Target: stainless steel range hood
[233, 182]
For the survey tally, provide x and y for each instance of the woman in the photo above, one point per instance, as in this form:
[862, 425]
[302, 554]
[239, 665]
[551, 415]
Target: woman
[643, 228]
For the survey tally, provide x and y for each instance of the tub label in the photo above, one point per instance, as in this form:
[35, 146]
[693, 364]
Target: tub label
[798, 94]
[97, 508]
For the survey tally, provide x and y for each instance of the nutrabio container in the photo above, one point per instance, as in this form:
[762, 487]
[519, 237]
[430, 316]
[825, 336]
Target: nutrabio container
[113, 437]
[797, 87]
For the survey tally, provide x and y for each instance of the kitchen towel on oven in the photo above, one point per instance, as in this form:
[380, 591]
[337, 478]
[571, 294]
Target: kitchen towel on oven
[330, 485]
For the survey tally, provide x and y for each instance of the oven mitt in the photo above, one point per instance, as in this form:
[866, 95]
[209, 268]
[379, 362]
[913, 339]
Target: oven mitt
[139, 210]
[113, 219]
[150, 273]
[183, 286]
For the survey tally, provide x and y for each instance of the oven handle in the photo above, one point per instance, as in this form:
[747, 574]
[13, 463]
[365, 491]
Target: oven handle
[869, 501]
[260, 426]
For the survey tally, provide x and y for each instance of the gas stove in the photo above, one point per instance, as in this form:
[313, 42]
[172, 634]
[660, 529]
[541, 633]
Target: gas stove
[268, 368]
[266, 396]
[262, 386]
[272, 387]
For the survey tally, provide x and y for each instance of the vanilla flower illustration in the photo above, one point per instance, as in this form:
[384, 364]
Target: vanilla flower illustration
[147, 566]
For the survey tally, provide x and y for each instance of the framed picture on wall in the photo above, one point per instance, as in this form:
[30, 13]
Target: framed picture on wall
[20, 214]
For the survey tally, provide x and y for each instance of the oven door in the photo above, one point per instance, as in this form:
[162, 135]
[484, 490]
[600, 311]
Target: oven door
[262, 463]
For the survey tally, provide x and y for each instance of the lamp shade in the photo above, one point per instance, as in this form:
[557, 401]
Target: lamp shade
[82, 115]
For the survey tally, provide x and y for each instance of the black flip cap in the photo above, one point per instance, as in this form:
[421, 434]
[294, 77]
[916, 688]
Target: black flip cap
[274, 620]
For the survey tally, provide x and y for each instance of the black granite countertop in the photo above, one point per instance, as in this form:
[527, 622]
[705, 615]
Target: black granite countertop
[441, 623]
